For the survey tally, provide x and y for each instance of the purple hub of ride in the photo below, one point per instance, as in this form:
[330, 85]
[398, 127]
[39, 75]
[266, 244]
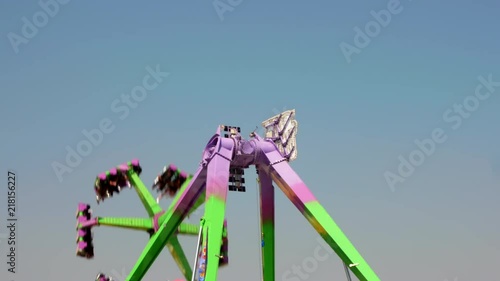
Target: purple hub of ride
[114, 180]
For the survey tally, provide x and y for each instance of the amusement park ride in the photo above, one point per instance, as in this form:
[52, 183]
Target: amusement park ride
[224, 160]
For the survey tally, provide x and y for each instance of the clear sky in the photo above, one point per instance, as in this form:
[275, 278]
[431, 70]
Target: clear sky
[355, 119]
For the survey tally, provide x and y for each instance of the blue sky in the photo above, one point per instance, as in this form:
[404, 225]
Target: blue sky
[355, 120]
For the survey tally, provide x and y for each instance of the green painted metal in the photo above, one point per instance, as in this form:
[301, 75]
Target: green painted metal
[214, 223]
[179, 256]
[169, 225]
[144, 224]
[213, 194]
[266, 200]
[322, 222]
[217, 182]
[130, 223]
[189, 229]
[149, 202]
[196, 205]
[338, 241]
[154, 246]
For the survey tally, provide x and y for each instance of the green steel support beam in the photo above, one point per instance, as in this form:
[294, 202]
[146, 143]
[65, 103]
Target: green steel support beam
[171, 221]
[300, 195]
[196, 205]
[215, 207]
[188, 229]
[179, 256]
[130, 223]
[149, 202]
[267, 215]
